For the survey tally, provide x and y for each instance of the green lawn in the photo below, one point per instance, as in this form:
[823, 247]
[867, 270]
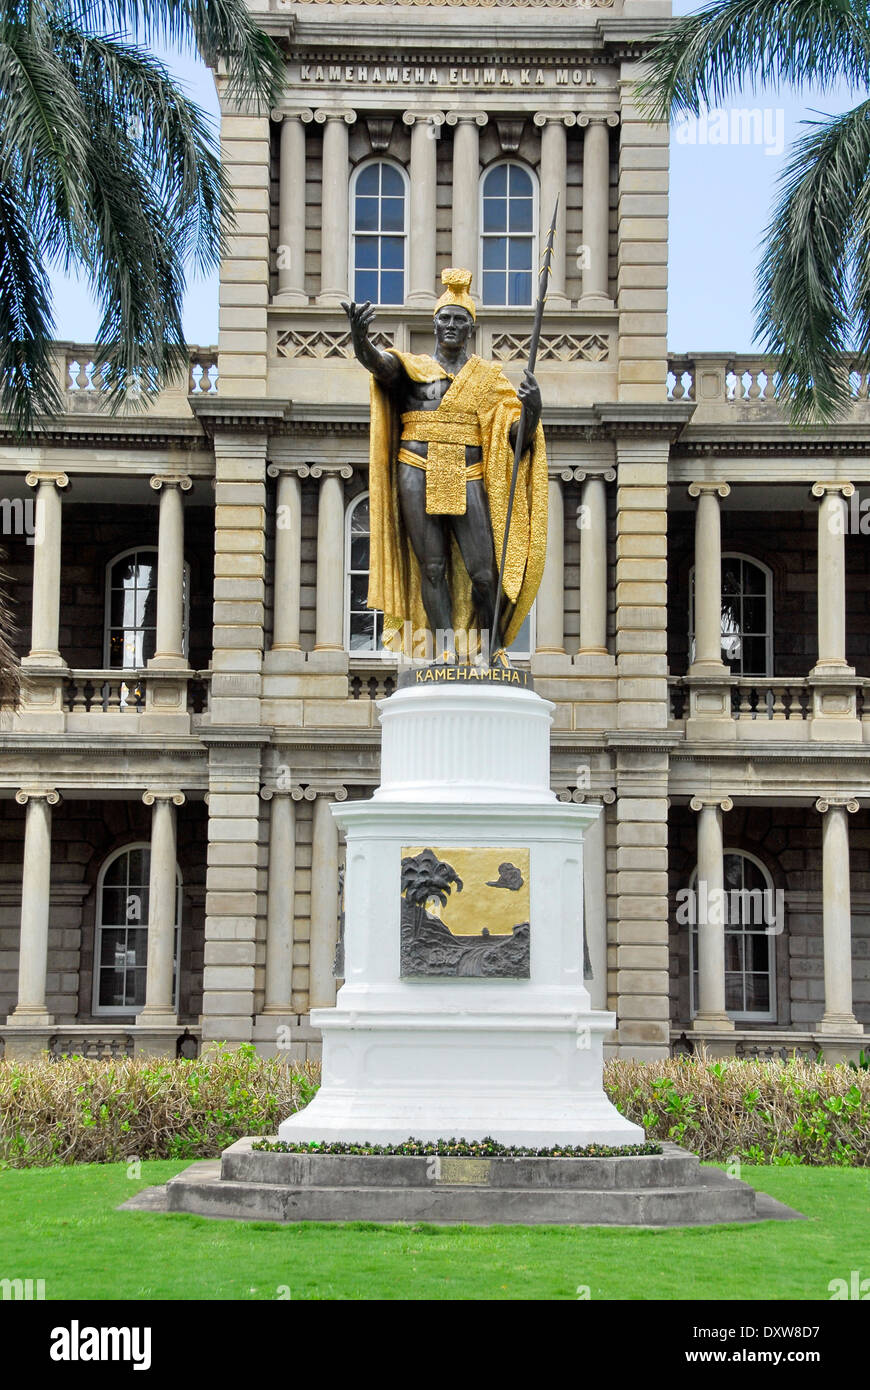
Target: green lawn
[60, 1225]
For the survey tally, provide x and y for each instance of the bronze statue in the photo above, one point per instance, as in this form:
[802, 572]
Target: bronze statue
[443, 436]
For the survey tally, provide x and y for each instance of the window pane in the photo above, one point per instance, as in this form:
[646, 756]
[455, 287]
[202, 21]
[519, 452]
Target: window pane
[359, 587]
[520, 254]
[366, 253]
[521, 215]
[366, 285]
[359, 522]
[758, 993]
[520, 288]
[493, 288]
[392, 287]
[367, 214]
[393, 215]
[495, 183]
[359, 553]
[494, 215]
[754, 615]
[758, 952]
[733, 951]
[369, 179]
[734, 993]
[392, 252]
[754, 656]
[520, 182]
[495, 253]
[362, 629]
[391, 181]
[754, 579]
[730, 576]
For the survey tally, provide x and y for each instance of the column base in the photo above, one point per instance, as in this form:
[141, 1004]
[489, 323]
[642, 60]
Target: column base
[596, 303]
[551, 661]
[167, 661]
[831, 668]
[156, 1019]
[332, 298]
[841, 1023]
[421, 299]
[45, 658]
[712, 1023]
[594, 661]
[24, 1016]
[291, 297]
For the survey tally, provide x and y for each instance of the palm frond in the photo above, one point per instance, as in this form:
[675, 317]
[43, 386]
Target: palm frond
[813, 300]
[27, 381]
[220, 30]
[704, 57]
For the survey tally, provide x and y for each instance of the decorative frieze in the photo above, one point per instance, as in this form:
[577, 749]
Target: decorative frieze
[321, 344]
[554, 347]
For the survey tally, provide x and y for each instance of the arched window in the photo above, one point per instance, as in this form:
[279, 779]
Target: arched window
[121, 947]
[751, 913]
[509, 234]
[364, 627]
[747, 616]
[131, 608]
[379, 218]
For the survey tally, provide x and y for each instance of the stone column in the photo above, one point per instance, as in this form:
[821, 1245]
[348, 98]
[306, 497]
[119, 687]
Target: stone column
[833, 524]
[170, 571]
[281, 891]
[35, 901]
[329, 614]
[291, 207]
[550, 605]
[334, 205]
[324, 901]
[554, 182]
[596, 210]
[45, 620]
[592, 524]
[710, 900]
[466, 190]
[837, 916]
[708, 580]
[425, 131]
[159, 1010]
[288, 561]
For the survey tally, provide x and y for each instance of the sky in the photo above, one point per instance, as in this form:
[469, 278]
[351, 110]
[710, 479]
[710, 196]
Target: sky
[722, 192]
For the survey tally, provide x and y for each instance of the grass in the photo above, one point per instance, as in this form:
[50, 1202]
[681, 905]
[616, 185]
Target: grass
[60, 1224]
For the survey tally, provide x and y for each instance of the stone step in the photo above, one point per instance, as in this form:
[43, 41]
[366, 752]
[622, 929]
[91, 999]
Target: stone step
[670, 1189]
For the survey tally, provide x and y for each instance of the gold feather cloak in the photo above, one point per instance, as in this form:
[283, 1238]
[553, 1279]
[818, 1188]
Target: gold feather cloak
[394, 574]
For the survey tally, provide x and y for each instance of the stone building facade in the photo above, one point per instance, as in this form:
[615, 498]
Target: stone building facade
[202, 678]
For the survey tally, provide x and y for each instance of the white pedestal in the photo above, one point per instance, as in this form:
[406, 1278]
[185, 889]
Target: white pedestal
[518, 1059]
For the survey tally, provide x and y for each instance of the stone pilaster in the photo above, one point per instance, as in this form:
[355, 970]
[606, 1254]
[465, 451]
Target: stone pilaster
[641, 583]
[159, 1011]
[329, 620]
[277, 1007]
[550, 656]
[239, 591]
[642, 272]
[711, 1016]
[235, 901]
[466, 194]
[244, 288]
[837, 915]
[31, 1007]
[554, 183]
[425, 130]
[640, 955]
[334, 207]
[596, 209]
[291, 207]
[832, 679]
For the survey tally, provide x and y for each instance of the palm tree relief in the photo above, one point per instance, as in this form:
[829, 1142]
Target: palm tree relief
[484, 938]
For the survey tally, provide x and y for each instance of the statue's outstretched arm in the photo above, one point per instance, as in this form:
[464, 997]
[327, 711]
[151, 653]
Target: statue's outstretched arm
[384, 366]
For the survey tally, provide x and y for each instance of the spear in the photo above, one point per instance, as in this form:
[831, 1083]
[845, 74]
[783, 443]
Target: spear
[543, 278]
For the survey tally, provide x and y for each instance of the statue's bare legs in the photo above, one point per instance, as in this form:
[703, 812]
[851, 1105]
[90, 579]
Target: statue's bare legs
[430, 540]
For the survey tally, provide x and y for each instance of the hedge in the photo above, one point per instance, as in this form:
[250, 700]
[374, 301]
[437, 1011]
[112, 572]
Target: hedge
[74, 1110]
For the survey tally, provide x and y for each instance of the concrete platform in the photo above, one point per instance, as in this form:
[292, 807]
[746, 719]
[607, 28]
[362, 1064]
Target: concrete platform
[670, 1189]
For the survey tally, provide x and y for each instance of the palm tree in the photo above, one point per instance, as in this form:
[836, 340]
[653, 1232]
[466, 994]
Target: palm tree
[424, 877]
[813, 283]
[107, 168]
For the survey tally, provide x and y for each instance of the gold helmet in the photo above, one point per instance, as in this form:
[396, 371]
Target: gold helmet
[458, 283]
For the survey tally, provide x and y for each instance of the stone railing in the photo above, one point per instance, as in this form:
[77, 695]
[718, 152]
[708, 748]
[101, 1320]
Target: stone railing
[742, 386]
[752, 698]
[125, 692]
[371, 679]
[84, 383]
